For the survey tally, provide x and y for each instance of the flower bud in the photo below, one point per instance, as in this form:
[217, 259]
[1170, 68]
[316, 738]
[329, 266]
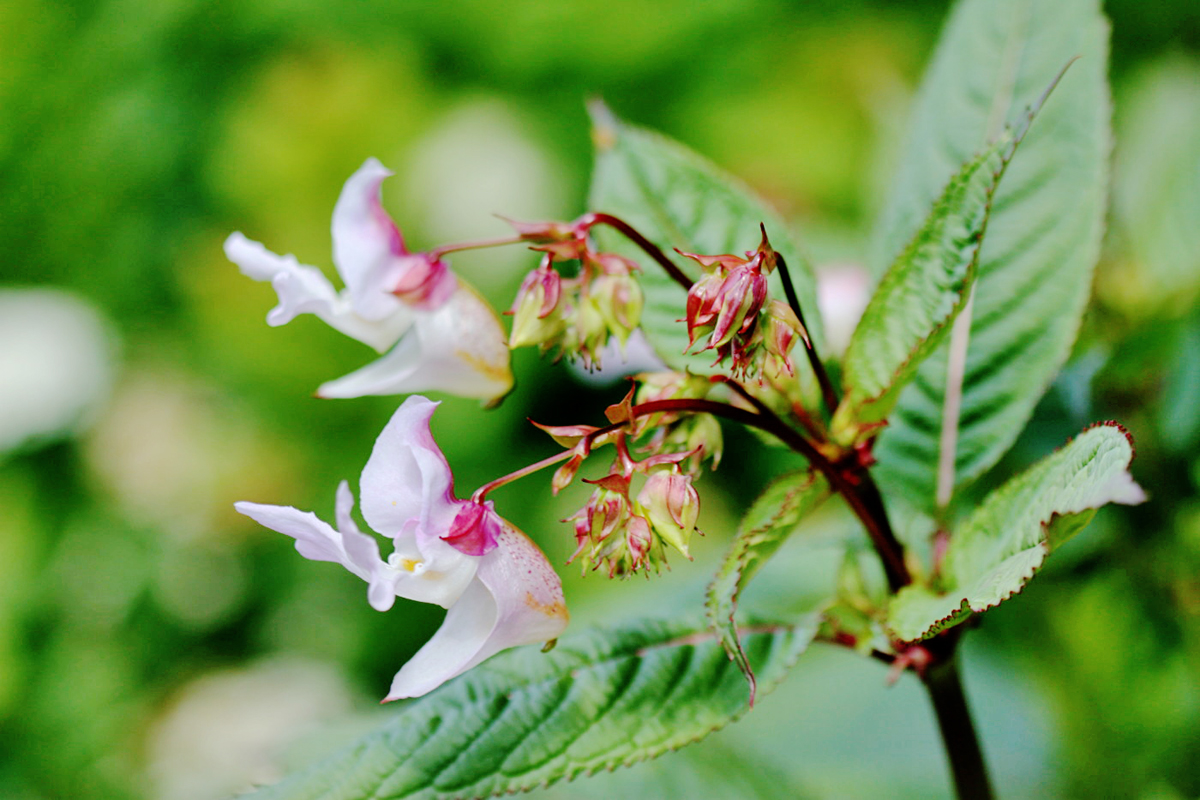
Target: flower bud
[781, 329]
[704, 437]
[588, 332]
[536, 316]
[638, 541]
[739, 300]
[619, 299]
[670, 503]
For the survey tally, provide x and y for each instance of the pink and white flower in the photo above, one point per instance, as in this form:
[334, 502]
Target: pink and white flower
[441, 335]
[498, 586]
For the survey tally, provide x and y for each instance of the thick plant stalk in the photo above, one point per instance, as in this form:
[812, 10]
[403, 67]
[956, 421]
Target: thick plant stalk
[958, 732]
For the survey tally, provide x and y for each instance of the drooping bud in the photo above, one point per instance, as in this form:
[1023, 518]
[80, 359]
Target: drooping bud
[537, 319]
[704, 438]
[589, 333]
[475, 530]
[671, 504]
[606, 512]
[726, 303]
[619, 299]
[781, 330]
[739, 300]
[639, 539]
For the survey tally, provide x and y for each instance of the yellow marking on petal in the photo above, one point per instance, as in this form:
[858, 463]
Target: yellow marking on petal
[555, 609]
[501, 373]
[409, 564]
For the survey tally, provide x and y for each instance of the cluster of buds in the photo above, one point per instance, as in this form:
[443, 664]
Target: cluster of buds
[698, 435]
[728, 309]
[623, 531]
[577, 314]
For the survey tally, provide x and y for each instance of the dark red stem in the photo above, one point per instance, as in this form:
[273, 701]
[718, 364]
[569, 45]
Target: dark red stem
[828, 393]
[854, 484]
[651, 249]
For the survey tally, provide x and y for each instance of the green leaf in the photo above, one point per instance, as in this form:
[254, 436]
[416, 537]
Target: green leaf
[999, 548]
[920, 295]
[768, 523]
[995, 58]
[677, 199]
[525, 719]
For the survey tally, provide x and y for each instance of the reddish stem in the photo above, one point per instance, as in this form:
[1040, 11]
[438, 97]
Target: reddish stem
[828, 393]
[648, 246]
[855, 485]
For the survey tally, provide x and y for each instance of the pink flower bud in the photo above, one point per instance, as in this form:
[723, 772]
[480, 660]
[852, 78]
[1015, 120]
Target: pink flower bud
[638, 540]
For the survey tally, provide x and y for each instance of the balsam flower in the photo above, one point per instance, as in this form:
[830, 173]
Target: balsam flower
[498, 586]
[441, 334]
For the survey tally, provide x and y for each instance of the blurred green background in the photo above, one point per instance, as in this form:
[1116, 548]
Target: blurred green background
[154, 644]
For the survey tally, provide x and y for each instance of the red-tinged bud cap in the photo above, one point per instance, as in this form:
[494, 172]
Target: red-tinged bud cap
[765, 254]
[475, 530]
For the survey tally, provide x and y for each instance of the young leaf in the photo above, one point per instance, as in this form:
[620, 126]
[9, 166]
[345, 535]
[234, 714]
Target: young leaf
[526, 719]
[1000, 547]
[768, 523]
[677, 199]
[920, 295]
[995, 58]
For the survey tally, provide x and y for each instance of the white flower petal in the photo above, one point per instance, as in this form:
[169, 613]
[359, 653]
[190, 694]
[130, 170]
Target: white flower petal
[315, 539]
[305, 290]
[361, 549]
[302, 289]
[407, 477]
[459, 348]
[366, 242]
[443, 575]
[517, 599]
[527, 591]
[461, 637]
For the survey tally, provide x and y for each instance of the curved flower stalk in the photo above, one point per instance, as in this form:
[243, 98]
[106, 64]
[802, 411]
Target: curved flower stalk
[445, 336]
[498, 586]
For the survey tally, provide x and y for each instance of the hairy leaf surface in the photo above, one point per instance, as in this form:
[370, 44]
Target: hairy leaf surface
[525, 719]
[994, 59]
[996, 551]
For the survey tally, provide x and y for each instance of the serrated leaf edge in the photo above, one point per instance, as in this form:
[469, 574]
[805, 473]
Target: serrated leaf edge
[965, 609]
[726, 630]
